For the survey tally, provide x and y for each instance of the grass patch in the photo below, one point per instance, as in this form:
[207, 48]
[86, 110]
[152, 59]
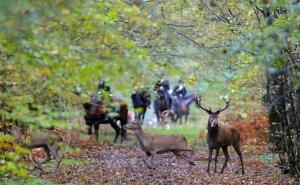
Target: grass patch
[71, 161]
[269, 158]
[106, 134]
[29, 180]
[65, 162]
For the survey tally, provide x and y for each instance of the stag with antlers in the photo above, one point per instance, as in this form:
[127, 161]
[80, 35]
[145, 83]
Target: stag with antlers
[221, 136]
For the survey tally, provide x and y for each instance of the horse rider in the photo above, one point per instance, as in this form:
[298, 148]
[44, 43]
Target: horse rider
[164, 86]
[179, 90]
[105, 96]
[134, 95]
[104, 92]
[143, 94]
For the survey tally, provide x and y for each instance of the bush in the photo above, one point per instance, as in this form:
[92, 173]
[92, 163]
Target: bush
[11, 154]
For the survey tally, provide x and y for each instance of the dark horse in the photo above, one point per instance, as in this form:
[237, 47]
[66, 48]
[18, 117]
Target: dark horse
[182, 107]
[161, 103]
[97, 113]
[140, 101]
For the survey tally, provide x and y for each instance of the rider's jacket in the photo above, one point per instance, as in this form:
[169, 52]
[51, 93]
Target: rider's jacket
[179, 91]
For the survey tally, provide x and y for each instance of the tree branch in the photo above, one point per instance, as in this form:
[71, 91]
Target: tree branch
[181, 26]
[218, 17]
[198, 44]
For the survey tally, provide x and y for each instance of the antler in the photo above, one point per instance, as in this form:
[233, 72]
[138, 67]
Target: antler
[203, 108]
[227, 105]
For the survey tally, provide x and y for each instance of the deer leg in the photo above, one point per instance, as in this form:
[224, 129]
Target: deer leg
[144, 160]
[238, 151]
[184, 157]
[56, 155]
[210, 150]
[225, 151]
[35, 164]
[117, 130]
[96, 129]
[216, 158]
[152, 160]
[189, 160]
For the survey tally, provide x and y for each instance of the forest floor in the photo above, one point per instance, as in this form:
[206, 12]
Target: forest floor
[104, 163]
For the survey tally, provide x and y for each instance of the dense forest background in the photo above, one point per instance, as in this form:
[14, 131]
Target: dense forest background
[247, 50]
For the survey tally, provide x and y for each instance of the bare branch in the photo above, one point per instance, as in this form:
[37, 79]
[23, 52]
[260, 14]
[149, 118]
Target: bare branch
[211, 11]
[162, 12]
[181, 26]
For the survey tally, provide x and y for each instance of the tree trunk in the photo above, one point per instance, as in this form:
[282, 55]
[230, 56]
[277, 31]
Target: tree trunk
[283, 95]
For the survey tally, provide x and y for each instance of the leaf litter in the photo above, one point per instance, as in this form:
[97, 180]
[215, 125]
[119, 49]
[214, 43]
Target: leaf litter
[112, 164]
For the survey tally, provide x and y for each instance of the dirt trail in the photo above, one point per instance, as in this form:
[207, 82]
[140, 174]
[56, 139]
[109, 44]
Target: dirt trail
[96, 164]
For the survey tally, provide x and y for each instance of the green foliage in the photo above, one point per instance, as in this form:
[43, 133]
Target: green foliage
[11, 157]
[227, 45]
[61, 47]
[49, 47]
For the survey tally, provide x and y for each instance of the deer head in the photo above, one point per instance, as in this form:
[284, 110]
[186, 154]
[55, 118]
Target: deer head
[17, 133]
[213, 119]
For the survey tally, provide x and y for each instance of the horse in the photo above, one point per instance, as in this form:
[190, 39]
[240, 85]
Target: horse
[161, 103]
[140, 101]
[96, 113]
[182, 107]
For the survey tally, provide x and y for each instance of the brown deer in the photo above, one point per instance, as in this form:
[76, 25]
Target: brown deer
[47, 140]
[221, 136]
[159, 144]
[166, 117]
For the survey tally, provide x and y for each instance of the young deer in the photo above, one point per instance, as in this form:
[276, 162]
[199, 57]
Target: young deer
[47, 140]
[221, 136]
[159, 144]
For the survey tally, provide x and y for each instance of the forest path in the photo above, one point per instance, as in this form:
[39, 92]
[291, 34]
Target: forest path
[107, 164]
